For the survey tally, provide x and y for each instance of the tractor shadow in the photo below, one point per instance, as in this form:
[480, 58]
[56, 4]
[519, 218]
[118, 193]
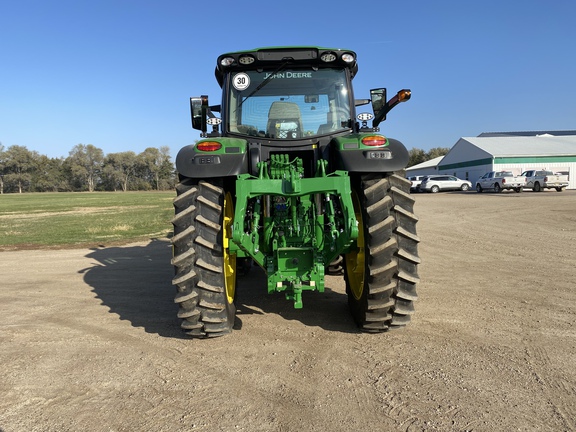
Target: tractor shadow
[135, 282]
[327, 310]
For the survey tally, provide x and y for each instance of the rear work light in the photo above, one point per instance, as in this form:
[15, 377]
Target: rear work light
[348, 57]
[374, 140]
[209, 146]
[246, 59]
[227, 61]
[328, 57]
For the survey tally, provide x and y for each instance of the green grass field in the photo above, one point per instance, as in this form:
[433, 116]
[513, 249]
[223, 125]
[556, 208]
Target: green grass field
[81, 219]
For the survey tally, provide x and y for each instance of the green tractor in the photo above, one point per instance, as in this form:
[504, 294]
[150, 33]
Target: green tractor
[288, 177]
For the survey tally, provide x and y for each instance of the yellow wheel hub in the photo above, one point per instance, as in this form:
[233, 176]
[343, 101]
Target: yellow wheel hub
[229, 260]
[356, 260]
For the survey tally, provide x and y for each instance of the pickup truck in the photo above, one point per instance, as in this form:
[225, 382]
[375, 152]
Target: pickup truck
[500, 180]
[544, 179]
[415, 183]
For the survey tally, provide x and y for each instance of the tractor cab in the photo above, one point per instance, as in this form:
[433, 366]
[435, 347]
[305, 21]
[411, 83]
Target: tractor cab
[286, 94]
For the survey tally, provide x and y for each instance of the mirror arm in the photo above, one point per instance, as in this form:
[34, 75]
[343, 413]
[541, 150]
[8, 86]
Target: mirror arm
[204, 111]
[402, 96]
[360, 102]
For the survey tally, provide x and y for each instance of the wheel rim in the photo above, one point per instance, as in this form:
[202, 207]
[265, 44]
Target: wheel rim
[229, 260]
[356, 260]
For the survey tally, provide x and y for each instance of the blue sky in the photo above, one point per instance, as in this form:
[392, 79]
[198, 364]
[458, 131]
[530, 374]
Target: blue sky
[118, 74]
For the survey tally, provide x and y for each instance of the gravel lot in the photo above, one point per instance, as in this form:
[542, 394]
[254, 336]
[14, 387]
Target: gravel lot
[90, 340]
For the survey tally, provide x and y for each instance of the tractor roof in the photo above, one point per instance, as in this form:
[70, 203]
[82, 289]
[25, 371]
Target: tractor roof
[273, 57]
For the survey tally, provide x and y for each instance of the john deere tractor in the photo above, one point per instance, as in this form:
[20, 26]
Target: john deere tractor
[288, 177]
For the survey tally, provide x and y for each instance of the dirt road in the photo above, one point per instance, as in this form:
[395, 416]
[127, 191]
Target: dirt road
[90, 342]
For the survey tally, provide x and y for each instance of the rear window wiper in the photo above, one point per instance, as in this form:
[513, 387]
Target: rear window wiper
[266, 81]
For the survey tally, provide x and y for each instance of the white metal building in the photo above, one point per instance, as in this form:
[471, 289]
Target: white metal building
[424, 168]
[471, 157]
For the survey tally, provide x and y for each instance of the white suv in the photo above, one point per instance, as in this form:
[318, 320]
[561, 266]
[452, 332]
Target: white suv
[439, 183]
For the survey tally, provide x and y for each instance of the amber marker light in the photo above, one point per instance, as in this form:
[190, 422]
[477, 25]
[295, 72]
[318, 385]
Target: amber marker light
[404, 95]
[209, 146]
[374, 140]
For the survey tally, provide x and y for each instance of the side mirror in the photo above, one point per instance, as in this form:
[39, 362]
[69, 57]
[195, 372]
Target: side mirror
[378, 97]
[198, 111]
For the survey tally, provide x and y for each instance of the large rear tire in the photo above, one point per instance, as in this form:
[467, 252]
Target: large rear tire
[381, 272]
[205, 277]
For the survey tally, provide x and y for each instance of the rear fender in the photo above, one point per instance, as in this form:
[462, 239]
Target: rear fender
[354, 156]
[230, 159]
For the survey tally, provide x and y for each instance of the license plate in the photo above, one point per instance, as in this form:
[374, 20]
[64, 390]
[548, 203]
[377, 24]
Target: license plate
[379, 155]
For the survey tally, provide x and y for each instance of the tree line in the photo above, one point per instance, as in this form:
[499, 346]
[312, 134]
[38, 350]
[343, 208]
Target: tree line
[86, 168]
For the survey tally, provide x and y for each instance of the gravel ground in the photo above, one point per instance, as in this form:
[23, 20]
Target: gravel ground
[90, 341]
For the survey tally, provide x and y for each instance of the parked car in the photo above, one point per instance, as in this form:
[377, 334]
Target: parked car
[500, 180]
[439, 183]
[543, 179]
[416, 180]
